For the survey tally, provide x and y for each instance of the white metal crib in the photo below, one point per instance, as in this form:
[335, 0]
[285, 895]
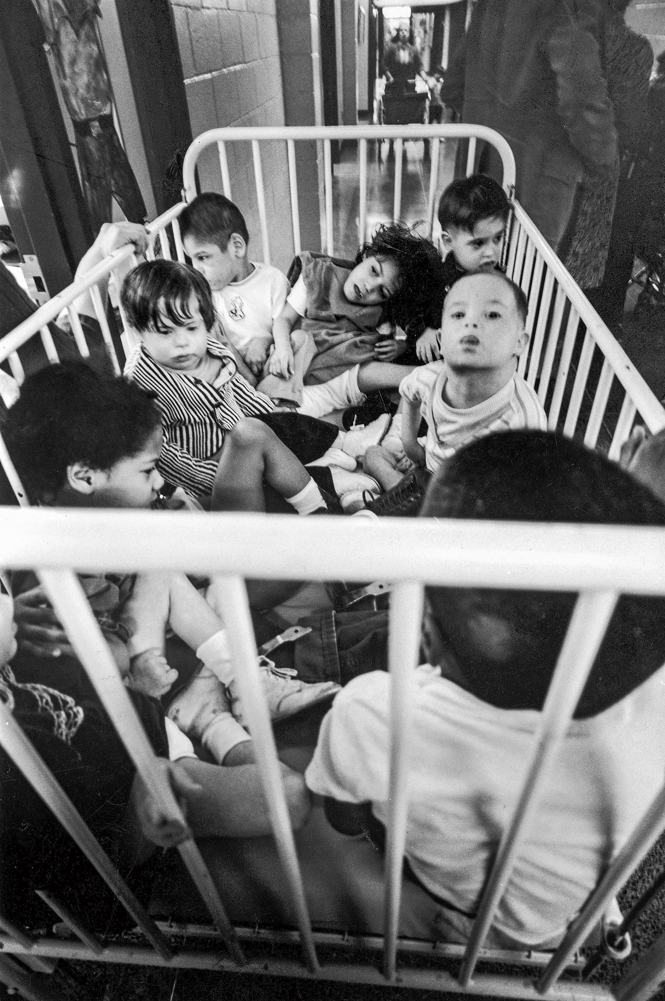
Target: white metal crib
[589, 389]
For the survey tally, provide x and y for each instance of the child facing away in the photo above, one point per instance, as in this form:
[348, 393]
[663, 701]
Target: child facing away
[473, 213]
[250, 297]
[80, 440]
[477, 707]
[476, 390]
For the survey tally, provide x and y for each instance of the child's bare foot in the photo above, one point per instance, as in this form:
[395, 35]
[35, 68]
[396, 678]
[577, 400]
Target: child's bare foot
[149, 672]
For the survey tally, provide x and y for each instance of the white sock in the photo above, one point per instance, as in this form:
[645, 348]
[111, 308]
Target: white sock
[308, 499]
[222, 735]
[216, 656]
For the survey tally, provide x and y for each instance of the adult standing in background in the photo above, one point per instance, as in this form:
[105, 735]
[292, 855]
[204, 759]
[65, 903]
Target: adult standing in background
[402, 62]
[531, 69]
[627, 58]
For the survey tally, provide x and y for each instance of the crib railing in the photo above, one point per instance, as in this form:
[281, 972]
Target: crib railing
[599, 562]
[589, 388]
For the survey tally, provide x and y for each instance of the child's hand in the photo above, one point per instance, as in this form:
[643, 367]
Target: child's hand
[151, 674]
[158, 826]
[632, 445]
[387, 349]
[281, 361]
[427, 345]
[256, 353]
[38, 629]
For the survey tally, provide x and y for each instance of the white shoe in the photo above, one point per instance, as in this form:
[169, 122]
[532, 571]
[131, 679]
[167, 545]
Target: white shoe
[284, 694]
[345, 481]
[356, 500]
[358, 440]
[201, 703]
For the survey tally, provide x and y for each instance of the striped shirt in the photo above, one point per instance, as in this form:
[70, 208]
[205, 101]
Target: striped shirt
[513, 408]
[195, 414]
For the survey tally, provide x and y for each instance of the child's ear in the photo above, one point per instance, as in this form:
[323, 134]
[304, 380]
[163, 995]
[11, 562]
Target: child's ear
[521, 343]
[237, 245]
[83, 479]
[446, 240]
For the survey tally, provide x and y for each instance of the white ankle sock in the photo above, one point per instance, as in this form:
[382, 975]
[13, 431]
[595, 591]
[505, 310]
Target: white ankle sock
[216, 656]
[222, 735]
[307, 500]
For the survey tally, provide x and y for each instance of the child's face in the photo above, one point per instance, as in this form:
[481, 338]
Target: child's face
[218, 267]
[132, 482]
[481, 328]
[7, 629]
[373, 281]
[479, 249]
[181, 347]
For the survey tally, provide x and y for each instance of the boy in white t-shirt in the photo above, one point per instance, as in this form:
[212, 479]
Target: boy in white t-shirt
[477, 389]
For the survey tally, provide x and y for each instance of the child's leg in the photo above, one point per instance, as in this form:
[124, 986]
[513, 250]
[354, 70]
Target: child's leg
[251, 454]
[350, 388]
[291, 389]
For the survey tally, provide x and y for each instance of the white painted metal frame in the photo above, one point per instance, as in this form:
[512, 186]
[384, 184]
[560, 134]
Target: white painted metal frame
[599, 562]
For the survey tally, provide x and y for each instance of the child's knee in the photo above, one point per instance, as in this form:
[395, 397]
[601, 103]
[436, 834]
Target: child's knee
[250, 433]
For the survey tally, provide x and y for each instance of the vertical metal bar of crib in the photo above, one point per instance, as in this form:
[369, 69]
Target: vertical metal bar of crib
[564, 367]
[177, 239]
[433, 178]
[642, 981]
[19, 980]
[293, 188]
[328, 188]
[600, 398]
[515, 231]
[16, 367]
[406, 613]
[581, 377]
[553, 335]
[362, 193]
[73, 611]
[72, 922]
[261, 200]
[649, 828]
[49, 346]
[533, 293]
[397, 195]
[18, 747]
[233, 597]
[39, 963]
[538, 337]
[21, 936]
[623, 427]
[164, 244]
[12, 475]
[590, 619]
[471, 157]
[100, 313]
[518, 263]
[224, 169]
[77, 331]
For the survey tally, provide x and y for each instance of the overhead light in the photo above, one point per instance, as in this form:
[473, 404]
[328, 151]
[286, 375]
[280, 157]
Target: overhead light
[397, 12]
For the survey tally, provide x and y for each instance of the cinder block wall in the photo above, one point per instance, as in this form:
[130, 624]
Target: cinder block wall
[231, 66]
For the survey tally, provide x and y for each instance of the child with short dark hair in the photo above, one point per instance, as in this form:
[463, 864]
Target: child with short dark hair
[473, 213]
[477, 389]
[81, 440]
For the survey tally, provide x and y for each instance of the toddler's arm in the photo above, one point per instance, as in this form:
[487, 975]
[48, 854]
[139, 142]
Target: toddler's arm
[281, 360]
[256, 353]
[427, 345]
[410, 425]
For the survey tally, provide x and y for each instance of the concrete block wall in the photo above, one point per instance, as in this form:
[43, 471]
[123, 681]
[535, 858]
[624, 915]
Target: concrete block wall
[231, 66]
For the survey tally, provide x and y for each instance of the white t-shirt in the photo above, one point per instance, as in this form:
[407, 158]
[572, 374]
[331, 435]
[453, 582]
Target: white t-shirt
[297, 297]
[468, 764]
[247, 308]
[513, 408]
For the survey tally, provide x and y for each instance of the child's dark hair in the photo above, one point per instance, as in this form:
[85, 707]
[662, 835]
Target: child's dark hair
[69, 413]
[212, 217]
[421, 274]
[467, 201]
[521, 301]
[542, 477]
[157, 289]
